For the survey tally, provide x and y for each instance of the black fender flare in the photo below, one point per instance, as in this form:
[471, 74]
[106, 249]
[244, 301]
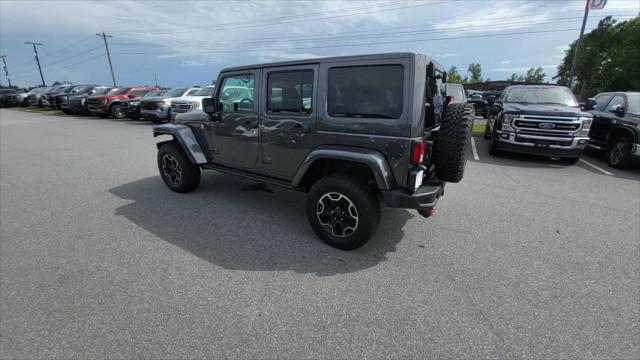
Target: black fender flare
[374, 159]
[622, 129]
[185, 137]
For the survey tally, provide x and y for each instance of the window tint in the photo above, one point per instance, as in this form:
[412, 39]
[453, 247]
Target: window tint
[366, 91]
[290, 92]
[192, 92]
[237, 93]
[617, 100]
[602, 101]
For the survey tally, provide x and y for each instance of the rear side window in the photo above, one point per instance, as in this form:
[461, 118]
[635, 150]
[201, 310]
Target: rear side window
[602, 101]
[366, 91]
[290, 92]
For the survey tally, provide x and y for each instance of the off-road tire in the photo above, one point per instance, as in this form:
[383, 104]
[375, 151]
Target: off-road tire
[622, 160]
[362, 197]
[450, 155]
[189, 173]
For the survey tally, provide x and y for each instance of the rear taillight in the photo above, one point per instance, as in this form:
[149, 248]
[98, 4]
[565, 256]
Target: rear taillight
[418, 152]
[450, 99]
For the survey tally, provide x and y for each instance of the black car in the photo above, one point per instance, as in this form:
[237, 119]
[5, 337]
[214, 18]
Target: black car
[539, 120]
[77, 104]
[131, 108]
[48, 98]
[616, 126]
[61, 101]
[8, 97]
[479, 104]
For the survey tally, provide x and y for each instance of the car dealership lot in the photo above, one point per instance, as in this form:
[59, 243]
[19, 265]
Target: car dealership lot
[527, 257]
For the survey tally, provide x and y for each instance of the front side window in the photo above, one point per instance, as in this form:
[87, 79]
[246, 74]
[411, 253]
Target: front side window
[617, 100]
[236, 94]
[366, 91]
[206, 91]
[191, 92]
[602, 101]
[290, 92]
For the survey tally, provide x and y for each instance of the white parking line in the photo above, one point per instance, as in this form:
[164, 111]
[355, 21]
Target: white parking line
[475, 151]
[597, 168]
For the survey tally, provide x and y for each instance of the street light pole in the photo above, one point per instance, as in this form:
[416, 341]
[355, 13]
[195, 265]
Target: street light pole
[106, 46]
[6, 71]
[35, 53]
[577, 50]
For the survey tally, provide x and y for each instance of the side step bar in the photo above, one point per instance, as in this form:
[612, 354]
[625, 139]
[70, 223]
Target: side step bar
[251, 176]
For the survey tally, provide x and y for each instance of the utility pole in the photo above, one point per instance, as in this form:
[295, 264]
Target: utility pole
[155, 77]
[106, 46]
[6, 71]
[35, 53]
[577, 51]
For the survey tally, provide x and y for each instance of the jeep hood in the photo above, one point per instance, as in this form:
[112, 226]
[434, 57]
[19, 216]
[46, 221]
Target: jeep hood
[544, 109]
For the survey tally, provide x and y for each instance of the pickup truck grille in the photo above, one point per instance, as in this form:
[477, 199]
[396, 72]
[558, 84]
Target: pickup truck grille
[547, 126]
[148, 105]
[180, 107]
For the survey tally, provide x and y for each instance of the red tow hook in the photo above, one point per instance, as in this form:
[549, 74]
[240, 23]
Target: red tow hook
[427, 212]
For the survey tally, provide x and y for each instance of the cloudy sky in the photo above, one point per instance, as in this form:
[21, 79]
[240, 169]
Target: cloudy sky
[187, 42]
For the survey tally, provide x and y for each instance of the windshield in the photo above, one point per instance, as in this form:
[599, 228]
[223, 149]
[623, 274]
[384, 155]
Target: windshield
[102, 91]
[634, 103]
[154, 93]
[175, 93]
[119, 91]
[208, 91]
[542, 95]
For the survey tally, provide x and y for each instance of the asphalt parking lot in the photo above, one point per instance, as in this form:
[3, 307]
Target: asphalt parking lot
[526, 258]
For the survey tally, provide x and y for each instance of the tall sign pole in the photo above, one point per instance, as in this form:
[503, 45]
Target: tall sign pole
[35, 53]
[6, 71]
[589, 4]
[106, 46]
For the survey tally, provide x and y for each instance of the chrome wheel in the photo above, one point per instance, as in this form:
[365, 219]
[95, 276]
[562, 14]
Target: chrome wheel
[617, 153]
[337, 214]
[171, 169]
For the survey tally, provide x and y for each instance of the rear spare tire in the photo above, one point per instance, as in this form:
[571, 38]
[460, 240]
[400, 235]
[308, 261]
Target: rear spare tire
[450, 156]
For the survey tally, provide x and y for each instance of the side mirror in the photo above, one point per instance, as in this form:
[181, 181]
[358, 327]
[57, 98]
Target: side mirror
[208, 105]
[618, 110]
[590, 104]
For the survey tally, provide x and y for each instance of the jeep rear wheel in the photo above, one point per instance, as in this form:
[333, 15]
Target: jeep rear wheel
[176, 170]
[343, 211]
[450, 156]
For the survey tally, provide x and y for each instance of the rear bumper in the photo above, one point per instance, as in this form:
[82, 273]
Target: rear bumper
[425, 197]
[541, 145]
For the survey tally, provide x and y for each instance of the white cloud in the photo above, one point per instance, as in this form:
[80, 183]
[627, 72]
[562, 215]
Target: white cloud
[446, 55]
[505, 62]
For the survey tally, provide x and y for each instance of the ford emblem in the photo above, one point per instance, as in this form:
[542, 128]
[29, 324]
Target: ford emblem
[546, 126]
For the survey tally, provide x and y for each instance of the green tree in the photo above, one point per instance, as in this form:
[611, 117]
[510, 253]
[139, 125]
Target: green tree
[476, 72]
[453, 76]
[535, 75]
[608, 59]
[515, 77]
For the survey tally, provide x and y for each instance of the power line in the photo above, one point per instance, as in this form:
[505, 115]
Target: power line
[493, 27]
[293, 18]
[106, 46]
[73, 56]
[348, 45]
[35, 53]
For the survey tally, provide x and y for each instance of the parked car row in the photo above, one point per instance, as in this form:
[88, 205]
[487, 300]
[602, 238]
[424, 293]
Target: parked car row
[134, 102]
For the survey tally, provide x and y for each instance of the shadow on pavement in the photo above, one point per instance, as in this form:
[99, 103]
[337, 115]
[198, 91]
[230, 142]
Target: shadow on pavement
[242, 225]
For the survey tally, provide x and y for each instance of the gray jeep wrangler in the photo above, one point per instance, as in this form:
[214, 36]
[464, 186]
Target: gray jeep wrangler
[351, 131]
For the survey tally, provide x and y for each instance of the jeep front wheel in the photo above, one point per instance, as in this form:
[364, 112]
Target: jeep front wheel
[343, 211]
[176, 170]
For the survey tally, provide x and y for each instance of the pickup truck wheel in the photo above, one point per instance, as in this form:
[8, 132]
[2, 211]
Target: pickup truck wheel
[116, 112]
[176, 170]
[619, 153]
[343, 211]
[450, 155]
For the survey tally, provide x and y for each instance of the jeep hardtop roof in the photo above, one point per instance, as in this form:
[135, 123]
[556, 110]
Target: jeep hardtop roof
[380, 56]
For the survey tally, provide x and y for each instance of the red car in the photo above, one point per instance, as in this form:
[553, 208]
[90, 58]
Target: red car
[110, 103]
